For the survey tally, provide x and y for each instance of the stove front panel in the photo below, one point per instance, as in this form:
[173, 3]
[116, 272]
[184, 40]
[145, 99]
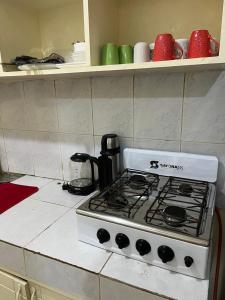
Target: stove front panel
[182, 251]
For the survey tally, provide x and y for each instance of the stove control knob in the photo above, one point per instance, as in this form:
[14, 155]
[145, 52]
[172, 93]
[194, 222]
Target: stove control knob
[165, 253]
[122, 241]
[103, 236]
[188, 261]
[143, 247]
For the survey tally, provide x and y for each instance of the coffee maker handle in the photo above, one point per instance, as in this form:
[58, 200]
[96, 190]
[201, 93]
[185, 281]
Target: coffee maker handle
[93, 160]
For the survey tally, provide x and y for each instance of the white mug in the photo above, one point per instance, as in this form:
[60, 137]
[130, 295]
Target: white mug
[184, 43]
[214, 46]
[141, 52]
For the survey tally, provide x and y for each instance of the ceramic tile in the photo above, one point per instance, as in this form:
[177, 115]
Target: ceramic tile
[12, 106]
[47, 294]
[204, 109]
[12, 258]
[47, 155]
[41, 105]
[211, 149]
[157, 144]
[3, 156]
[158, 106]
[77, 282]
[124, 143]
[154, 279]
[24, 221]
[53, 193]
[19, 147]
[60, 241]
[71, 144]
[33, 181]
[113, 105]
[111, 290]
[74, 106]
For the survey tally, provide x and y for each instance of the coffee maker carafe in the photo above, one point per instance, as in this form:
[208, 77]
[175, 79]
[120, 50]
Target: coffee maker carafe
[83, 178]
[109, 161]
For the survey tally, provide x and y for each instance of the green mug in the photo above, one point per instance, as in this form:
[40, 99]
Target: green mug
[126, 54]
[110, 54]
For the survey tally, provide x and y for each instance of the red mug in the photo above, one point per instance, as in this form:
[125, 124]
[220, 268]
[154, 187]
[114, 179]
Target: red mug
[200, 44]
[165, 48]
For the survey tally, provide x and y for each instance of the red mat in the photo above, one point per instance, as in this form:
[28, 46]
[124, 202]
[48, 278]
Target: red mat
[11, 194]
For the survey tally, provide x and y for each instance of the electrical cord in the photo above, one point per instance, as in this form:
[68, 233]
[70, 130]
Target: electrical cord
[219, 249]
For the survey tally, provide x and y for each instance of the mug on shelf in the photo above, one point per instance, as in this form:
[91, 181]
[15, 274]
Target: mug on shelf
[109, 54]
[166, 48]
[125, 54]
[184, 43]
[202, 44]
[151, 46]
[141, 52]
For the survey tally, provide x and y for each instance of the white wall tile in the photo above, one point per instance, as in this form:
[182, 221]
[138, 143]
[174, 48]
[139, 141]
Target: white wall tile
[3, 156]
[12, 106]
[19, 147]
[74, 106]
[154, 279]
[12, 258]
[41, 105]
[157, 144]
[20, 224]
[47, 155]
[158, 106]
[113, 105]
[204, 108]
[61, 242]
[111, 290]
[74, 281]
[39, 182]
[211, 149]
[71, 144]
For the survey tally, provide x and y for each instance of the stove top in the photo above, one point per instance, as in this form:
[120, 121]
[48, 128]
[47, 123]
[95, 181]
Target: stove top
[159, 211]
[173, 207]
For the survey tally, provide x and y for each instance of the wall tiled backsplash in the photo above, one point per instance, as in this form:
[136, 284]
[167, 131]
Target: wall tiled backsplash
[43, 122]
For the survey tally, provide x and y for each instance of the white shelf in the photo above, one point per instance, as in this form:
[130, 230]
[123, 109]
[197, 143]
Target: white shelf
[37, 26]
[187, 65]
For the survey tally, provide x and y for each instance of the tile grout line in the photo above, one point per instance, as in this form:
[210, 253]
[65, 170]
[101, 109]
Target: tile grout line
[3, 137]
[35, 133]
[57, 133]
[110, 255]
[127, 137]
[133, 109]
[50, 225]
[92, 115]
[182, 111]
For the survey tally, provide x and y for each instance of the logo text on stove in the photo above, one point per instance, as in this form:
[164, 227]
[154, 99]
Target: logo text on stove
[154, 164]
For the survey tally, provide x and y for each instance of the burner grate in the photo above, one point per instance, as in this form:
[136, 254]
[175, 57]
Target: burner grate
[126, 195]
[179, 194]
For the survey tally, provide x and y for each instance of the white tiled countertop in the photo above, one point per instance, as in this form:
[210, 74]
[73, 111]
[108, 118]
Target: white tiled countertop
[39, 242]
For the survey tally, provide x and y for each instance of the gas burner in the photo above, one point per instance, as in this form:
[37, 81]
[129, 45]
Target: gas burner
[174, 216]
[137, 181]
[181, 204]
[116, 201]
[126, 196]
[185, 189]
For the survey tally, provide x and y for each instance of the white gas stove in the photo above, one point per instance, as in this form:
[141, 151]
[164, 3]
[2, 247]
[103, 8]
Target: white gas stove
[159, 211]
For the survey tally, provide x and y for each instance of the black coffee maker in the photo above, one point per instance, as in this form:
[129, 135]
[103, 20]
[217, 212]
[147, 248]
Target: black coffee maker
[109, 161]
